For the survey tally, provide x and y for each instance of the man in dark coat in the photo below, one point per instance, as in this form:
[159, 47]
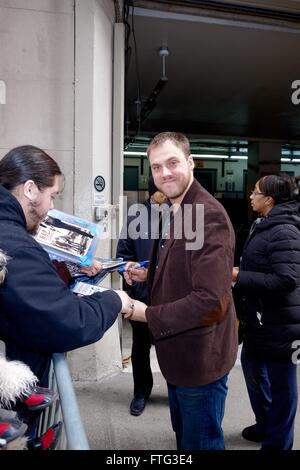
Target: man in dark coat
[39, 314]
[191, 317]
[139, 249]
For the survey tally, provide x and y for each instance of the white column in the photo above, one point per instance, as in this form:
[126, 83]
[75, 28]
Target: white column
[94, 78]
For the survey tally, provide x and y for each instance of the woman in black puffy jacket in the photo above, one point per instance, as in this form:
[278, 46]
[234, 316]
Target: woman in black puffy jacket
[267, 294]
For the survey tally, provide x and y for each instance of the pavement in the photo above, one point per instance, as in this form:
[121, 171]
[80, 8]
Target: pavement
[104, 408]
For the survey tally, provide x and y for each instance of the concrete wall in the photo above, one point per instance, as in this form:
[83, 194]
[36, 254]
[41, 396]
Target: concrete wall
[56, 70]
[37, 67]
[94, 25]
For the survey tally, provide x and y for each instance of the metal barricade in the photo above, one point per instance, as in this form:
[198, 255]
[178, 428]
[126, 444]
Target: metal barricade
[64, 409]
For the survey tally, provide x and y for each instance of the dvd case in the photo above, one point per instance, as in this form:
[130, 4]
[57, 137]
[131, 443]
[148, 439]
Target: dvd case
[111, 264]
[69, 238]
[108, 265]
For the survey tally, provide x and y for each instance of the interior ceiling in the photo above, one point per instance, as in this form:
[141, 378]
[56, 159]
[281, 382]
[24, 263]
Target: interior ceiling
[228, 76]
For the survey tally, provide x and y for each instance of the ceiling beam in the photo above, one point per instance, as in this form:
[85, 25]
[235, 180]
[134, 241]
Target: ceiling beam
[257, 12]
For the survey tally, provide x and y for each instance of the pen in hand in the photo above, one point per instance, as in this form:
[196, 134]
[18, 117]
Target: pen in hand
[141, 264]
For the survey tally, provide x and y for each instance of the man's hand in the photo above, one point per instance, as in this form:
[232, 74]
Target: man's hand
[125, 299]
[132, 309]
[137, 311]
[93, 269]
[235, 272]
[132, 275]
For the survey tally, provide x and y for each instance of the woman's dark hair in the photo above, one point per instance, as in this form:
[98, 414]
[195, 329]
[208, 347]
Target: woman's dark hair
[282, 188]
[27, 163]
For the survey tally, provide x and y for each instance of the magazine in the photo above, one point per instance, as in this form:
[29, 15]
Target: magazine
[108, 265]
[111, 264]
[69, 238]
[82, 288]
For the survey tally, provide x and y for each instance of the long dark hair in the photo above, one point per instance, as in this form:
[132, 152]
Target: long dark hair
[27, 163]
[282, 188]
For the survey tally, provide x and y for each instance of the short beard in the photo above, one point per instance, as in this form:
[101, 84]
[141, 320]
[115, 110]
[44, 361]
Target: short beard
[32, 230]
[35, 220]
[177, 193]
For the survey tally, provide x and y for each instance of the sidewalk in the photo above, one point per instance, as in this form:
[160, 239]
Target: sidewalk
[104, 408]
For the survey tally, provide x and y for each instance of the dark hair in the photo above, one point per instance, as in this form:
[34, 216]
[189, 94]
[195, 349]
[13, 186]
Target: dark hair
[282, 188]
[27, 163]
[297, 191]
[178, 139]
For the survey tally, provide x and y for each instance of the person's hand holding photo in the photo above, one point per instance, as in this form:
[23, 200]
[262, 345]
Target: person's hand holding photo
[93, 269]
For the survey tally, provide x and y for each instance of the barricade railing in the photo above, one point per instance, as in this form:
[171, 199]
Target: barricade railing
[64, 409]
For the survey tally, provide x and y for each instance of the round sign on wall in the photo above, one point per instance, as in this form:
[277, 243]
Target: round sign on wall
[99, 183]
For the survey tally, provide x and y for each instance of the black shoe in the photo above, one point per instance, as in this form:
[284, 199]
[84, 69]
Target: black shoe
[251, 434]
[137, 406]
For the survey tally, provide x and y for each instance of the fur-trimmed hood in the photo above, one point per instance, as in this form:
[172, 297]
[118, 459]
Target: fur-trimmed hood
[15, 379]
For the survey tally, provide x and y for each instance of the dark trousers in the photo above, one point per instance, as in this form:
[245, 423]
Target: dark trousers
[273, 393]
[197, 414]
[140, 358]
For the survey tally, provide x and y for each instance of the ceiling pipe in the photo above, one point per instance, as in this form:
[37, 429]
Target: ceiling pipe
[150, 103]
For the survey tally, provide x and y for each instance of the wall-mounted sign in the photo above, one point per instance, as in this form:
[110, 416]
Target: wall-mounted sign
[99, 183]
[99, 199]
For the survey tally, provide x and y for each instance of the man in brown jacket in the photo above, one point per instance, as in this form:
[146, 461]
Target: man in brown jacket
[191, 317]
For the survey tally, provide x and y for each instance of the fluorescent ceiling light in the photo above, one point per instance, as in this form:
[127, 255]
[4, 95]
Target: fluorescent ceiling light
[208, 156]
[290, 160]
[127, 152]
[134, 153]
[195, 155]
[211, 156]
[224, 157]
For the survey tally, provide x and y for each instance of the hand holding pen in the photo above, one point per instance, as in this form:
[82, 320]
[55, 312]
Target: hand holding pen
[135, 272]
[133, 265]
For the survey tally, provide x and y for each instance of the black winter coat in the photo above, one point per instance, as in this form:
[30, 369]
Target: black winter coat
[267, 291]
[138, 249]
[39, 315]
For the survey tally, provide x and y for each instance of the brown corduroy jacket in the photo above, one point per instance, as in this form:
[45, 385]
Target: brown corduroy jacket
[192, 317]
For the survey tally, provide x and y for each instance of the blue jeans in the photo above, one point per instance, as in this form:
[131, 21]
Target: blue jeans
[273, 393]
[197, 414]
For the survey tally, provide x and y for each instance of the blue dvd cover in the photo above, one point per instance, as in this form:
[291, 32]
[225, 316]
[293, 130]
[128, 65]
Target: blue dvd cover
[108, 265]
[69, 238]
